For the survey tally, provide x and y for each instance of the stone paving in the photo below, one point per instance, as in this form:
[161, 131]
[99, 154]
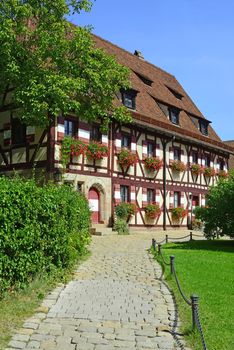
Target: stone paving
[116, 301]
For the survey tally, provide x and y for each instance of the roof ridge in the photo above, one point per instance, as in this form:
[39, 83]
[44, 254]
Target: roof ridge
[128, 52]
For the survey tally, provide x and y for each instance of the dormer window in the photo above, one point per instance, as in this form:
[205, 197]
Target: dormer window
[175, 93]
[129, 98]
[174, 116]
[203, 126]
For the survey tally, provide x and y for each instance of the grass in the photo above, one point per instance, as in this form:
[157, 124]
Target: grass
[19, 305]
[205, 268]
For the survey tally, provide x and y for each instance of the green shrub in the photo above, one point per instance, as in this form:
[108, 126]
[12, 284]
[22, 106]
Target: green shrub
[40, 228]
[121, 227]
[124, 209]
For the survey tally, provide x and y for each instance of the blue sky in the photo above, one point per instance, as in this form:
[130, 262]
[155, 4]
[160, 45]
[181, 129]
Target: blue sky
[191, 39]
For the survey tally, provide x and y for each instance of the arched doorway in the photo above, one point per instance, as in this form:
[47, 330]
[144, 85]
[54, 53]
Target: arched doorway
[94, 204]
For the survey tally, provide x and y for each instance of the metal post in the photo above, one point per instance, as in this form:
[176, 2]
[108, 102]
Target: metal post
[191, 236]
[166, 238]
[172, 261]
[154, 244]
[194, 301]
[164, 185]
[159, 248]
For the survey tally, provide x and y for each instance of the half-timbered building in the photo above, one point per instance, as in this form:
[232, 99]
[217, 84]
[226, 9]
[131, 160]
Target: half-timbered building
[175, 151]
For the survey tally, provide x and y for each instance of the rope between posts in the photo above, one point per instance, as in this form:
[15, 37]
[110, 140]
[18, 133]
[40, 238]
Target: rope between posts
[179, 287]
[176, 238]
[163, 259]
[193, 303]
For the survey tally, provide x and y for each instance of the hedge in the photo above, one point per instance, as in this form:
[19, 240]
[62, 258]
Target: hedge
[40, 228]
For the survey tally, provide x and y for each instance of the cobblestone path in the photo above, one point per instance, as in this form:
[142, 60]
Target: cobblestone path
[116, 301]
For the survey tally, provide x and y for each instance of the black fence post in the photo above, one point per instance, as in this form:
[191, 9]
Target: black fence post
[166, 238]
[159, 248]
[154, 244]
[194, 304]
[172, 261]
[191, 236]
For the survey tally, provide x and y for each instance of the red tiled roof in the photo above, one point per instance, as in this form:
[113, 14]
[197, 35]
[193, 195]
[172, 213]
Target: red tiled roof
[162, 82]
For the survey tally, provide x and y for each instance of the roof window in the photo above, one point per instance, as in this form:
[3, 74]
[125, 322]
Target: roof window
[144, 79]
[203, 126]
[129, 98]
[175, 93]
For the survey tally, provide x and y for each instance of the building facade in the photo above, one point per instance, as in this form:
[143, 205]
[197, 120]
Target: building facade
[174, 154]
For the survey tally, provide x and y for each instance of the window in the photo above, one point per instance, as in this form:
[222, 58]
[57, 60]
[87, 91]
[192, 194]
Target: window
[79, 186]
[18, 132]
[129, 99]
[176, 154]
[124, 193]
[175, 93]
[95, 134]
[203, 127]
[176, 199]
[150, 195]
[125, 141]
[144, 79]
[69, 128]
[207, 160]
[174, 116]
[195, 157]
[221, 164]
[150, 149]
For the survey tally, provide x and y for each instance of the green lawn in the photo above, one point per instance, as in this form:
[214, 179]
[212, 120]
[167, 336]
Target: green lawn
[205, 268]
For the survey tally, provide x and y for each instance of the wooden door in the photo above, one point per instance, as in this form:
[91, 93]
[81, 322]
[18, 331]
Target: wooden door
[94, 204]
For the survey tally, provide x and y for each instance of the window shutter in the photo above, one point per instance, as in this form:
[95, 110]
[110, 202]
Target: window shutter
[132, 194]
[190, 158]
[157, 197]
[7, 134]
[203, 160]
[117, 193]
[105, 140]
[182, 199]
[158, 150]
[84, 132]
[144, 149]
[118, 142]
[182, 156]
[171, 200]
[144, 197]
[171, 154]
[60, 128]
[133, 144]
[30, 133]
[203, 200]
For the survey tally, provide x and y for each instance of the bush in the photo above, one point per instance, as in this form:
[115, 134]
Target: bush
[124, 210]
[121, 227]
[40, 228]
[218, 215]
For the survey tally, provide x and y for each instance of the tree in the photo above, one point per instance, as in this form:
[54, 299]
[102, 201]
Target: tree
[218, 215]
[52, 67]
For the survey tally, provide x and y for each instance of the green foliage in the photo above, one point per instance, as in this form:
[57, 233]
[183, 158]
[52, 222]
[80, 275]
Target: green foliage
[124, 209]
[218, 215]
[121, 227]
[177, 165]
[40, 227]
[71, 147]
[53, 67]
[209, 172]
[196, 169]
[96, 151]
[152, 211]
[153, 163]
[178, 213]
[127, 158]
